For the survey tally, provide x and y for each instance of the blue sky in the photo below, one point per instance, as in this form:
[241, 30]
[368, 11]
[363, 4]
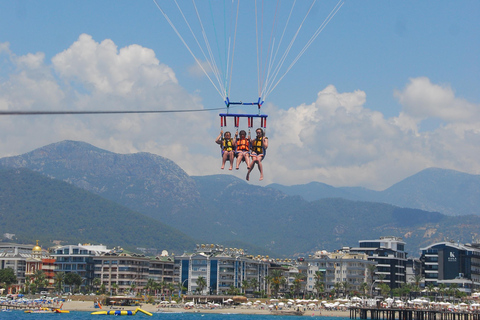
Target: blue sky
[387, 89]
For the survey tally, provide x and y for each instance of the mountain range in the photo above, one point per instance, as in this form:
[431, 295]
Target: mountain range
[275, 220]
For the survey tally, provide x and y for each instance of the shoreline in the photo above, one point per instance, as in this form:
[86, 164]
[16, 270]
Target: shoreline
[154, 308]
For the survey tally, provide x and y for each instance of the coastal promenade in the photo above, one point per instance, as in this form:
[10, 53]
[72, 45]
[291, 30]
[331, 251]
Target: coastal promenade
[411, 314]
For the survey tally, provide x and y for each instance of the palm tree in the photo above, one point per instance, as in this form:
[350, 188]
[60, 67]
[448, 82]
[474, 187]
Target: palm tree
[40, 279]
[277, 281]
[150, 286]
[245, 285]
[442, 288]
[201, 284]
[297, 282]
[254, 284]
[59, 280]
[417, 280]
[346, 287]
[364, 287]
[115, 287]
[337, 286]
[319, 285]
[371, 274]
[431, 288]
[384, 289]
[96, 283]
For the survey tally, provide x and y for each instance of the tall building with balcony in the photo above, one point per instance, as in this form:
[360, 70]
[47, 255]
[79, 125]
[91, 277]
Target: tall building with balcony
[337, 269]
[78, 259]
[390, 256]
[24, 260]
[221, 268]
[122, 272]
[449, 262]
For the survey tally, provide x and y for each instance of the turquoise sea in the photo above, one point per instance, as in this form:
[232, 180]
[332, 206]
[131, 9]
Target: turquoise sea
[74, 315]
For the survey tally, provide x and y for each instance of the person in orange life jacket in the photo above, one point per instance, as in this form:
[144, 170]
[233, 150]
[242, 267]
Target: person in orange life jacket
[243, 148]
[257, 145]
[228, 147]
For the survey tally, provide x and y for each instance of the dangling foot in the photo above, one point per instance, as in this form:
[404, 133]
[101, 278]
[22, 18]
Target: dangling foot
[230, 168]
[223, 167]
[248, 176]
[261, 177]
[236, 168]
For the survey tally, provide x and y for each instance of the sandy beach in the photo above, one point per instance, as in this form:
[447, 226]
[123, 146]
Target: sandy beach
[88, 306]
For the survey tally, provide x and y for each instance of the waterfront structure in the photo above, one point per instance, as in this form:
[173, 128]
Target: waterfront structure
[40, 260]
[221, 268]
[344, 269]
[78, 259]
[449, 262]
[390, 256]
[24, 260]
[161, 269]
[122, 272]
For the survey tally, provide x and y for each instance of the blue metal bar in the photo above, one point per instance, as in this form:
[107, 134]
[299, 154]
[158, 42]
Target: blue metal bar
[243, 115]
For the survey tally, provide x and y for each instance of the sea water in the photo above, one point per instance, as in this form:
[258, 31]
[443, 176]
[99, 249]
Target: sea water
[80, 315]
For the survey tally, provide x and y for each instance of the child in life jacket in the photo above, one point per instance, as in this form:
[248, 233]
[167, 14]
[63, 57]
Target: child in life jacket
[228, 147]
[243, 148]
[258, 146]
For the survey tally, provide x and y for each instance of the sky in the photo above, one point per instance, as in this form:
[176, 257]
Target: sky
[387, 89]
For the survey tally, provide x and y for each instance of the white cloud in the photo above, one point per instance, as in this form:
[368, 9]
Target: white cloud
[333, 139]
[421, 99]
[337, 141]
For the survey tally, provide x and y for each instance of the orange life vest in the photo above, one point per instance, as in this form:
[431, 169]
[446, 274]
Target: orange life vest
[243, 145]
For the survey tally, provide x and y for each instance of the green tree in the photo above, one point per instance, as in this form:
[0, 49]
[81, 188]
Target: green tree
[298, 281]
[371, 268]
[254, 284]
[40, 280]
[384, 289]
[245, 285]
[96, 283]
[364, 287]
[338, 287]
[431, 288]
[115, 287]
[277, 279]
[58, 281]
[442, 289]
[73, 279]
[7, 277]
[416, 281]
[201, 284]
[319, 285]
[151, 285]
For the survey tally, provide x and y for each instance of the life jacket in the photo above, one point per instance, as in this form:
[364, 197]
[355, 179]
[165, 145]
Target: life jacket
[227, 145]
[243, 145]
[258, 146]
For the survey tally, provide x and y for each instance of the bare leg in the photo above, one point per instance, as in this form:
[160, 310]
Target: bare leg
[239, 159]
[224, 159]
[250, 170]
[260, 168]
[247, 161]
[231, 155]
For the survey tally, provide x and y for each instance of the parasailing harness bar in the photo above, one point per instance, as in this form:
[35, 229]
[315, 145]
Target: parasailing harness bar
[236, 116]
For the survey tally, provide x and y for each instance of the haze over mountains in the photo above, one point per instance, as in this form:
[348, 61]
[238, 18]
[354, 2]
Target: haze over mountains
[264, 220]
[447, 191]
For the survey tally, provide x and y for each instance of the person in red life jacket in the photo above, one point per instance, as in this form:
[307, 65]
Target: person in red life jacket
[228, 148]
[243, 148]
[259, 145]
